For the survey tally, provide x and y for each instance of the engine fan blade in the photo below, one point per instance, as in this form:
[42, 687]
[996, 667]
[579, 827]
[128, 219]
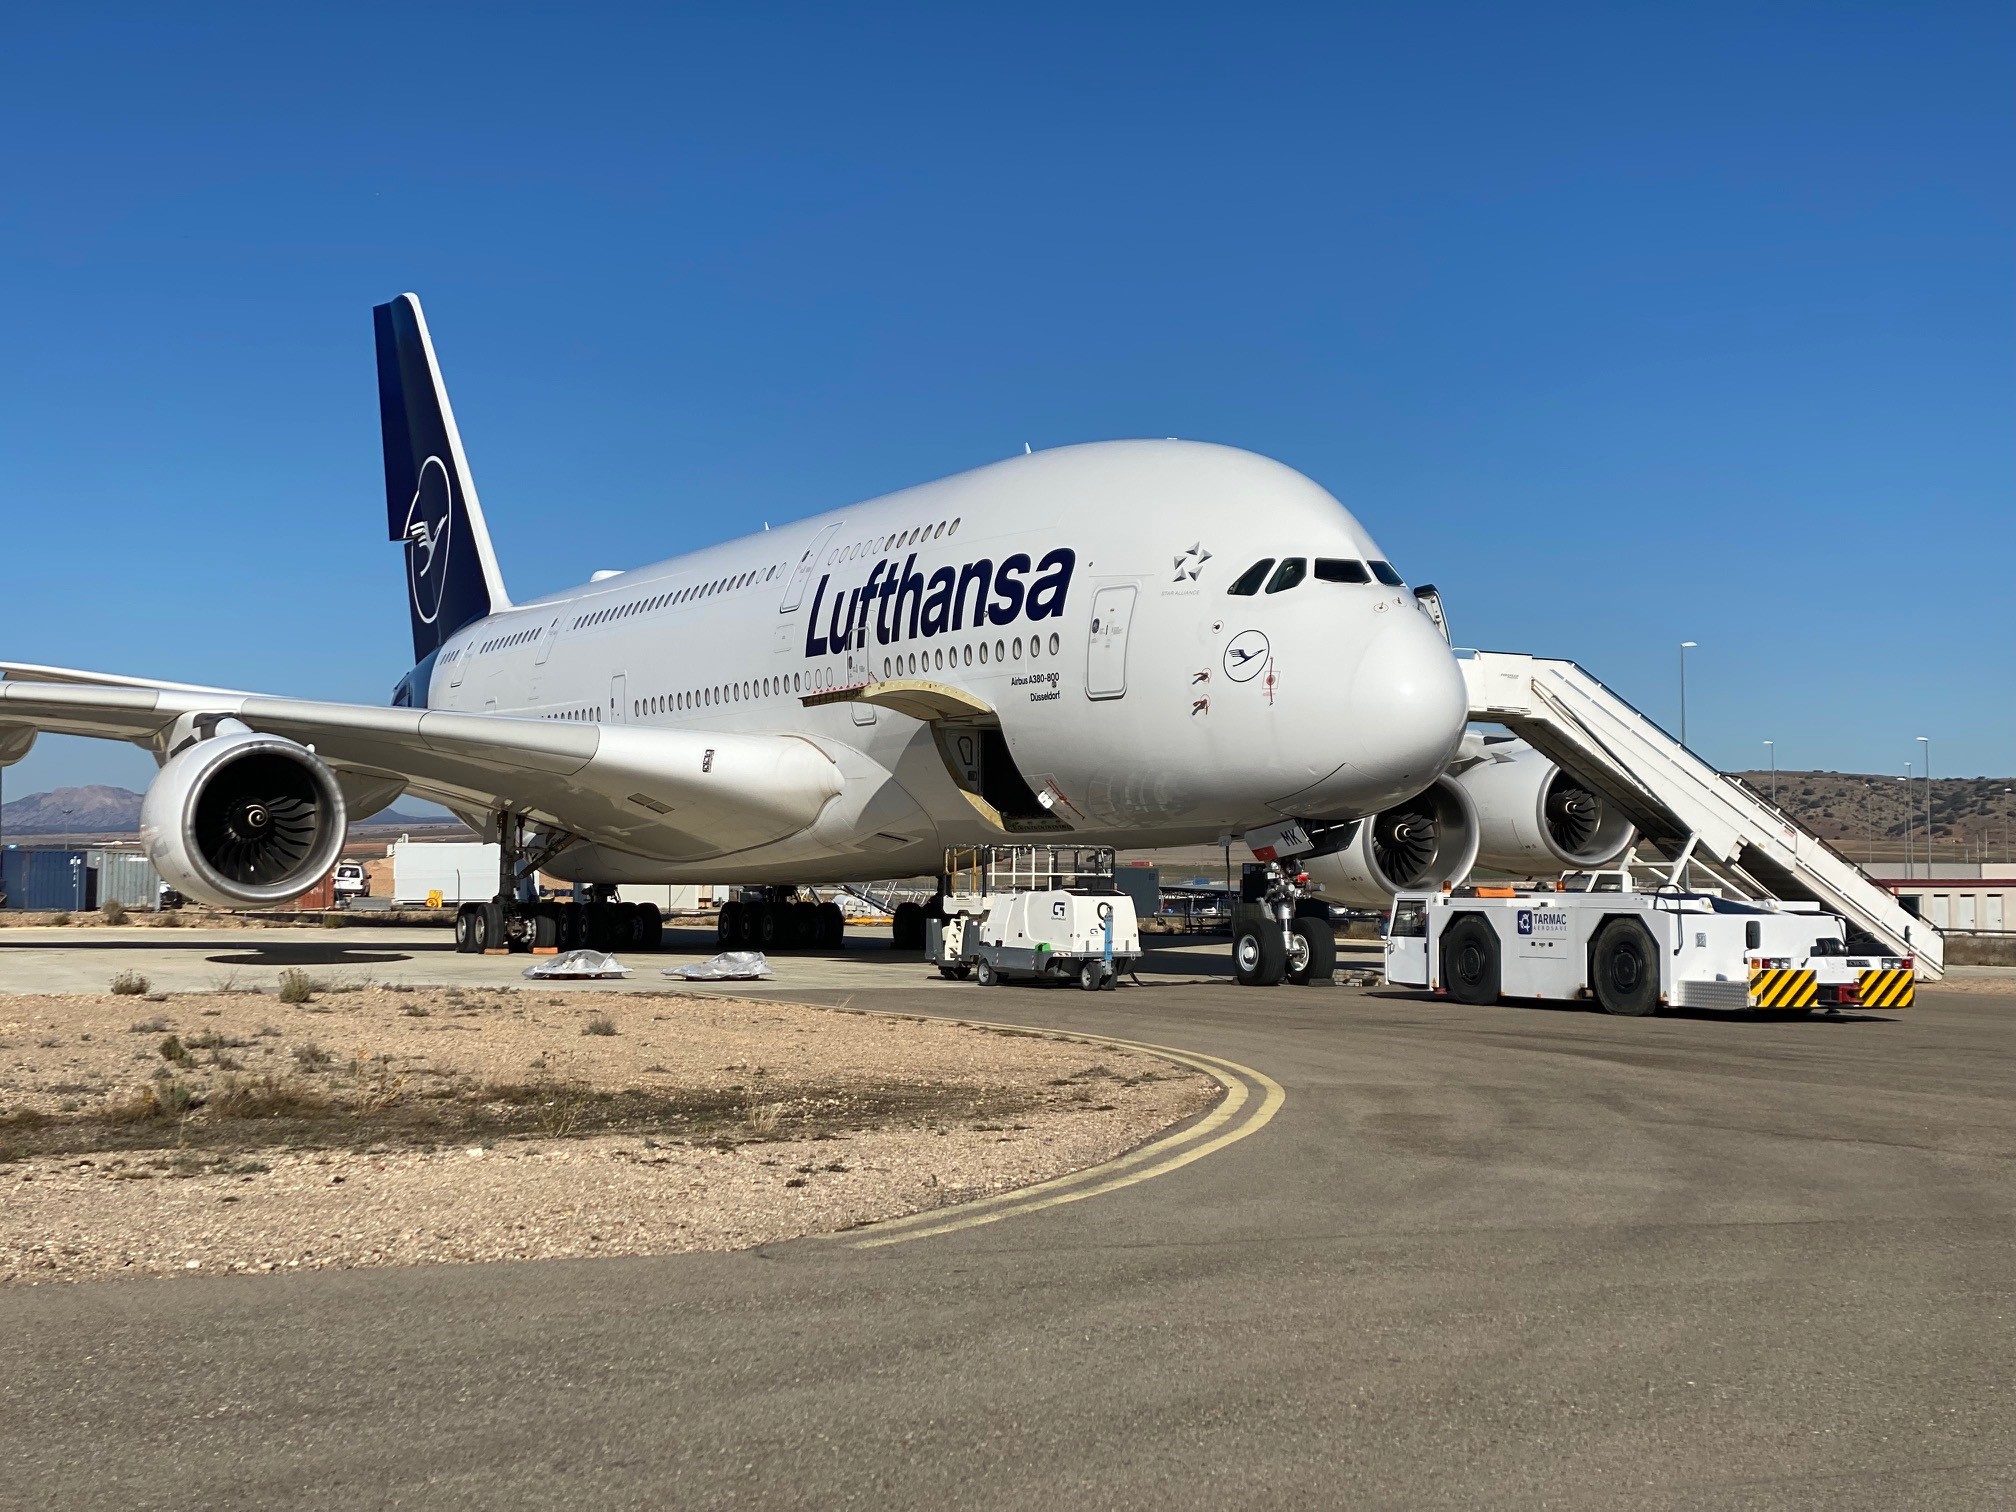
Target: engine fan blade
[1404, 843]
[1574, 815]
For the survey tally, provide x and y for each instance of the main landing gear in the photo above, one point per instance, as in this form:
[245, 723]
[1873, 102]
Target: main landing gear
[517, 920]
[1277, 935]
[776, 918]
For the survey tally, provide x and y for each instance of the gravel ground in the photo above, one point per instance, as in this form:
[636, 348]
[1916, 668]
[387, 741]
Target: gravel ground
[232, 1132]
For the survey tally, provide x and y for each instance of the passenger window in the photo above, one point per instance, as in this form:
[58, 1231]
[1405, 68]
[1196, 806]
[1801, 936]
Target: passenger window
[1341, 570]
[1250, 580]
[1385, 573]
[1291, 572]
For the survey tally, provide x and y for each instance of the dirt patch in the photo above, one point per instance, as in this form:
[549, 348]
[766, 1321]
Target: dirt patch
[231, 1131]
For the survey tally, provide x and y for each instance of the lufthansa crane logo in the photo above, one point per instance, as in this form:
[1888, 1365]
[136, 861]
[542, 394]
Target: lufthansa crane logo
[430, 528]
[1245, 655]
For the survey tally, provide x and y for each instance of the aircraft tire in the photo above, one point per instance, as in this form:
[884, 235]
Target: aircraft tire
[490, 927]
[1315, 958]
[906, 927]
[832, 926]
[650, 927]
[467, 939]
[1260, 956]
[728, 925]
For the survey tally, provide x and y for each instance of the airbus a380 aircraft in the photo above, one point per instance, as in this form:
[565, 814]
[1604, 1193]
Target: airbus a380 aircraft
[1134, 643]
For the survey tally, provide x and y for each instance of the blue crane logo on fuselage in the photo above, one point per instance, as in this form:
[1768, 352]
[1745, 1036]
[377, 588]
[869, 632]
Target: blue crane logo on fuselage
[1245, 655]
[430, 529]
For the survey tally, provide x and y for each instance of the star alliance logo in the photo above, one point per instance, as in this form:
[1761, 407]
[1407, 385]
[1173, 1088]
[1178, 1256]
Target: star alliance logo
[1190, 563]
[429, 530]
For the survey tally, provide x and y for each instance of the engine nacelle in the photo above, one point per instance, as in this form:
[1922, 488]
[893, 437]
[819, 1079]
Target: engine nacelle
[1537, 818]
[243, 820]
[1414, 846]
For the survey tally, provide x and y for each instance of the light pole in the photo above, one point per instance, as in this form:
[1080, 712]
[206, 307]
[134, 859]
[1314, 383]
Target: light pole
[1772, 747]
[1910, 869]
[2005, 824]
[1869, 819]
[1685, 647]
[1926, 741]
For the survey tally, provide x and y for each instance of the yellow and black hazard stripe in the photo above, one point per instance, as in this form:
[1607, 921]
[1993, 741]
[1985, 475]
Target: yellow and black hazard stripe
[1782, 987]
[1894, 988]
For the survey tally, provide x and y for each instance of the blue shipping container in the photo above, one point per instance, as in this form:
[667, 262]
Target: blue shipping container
[46, 879]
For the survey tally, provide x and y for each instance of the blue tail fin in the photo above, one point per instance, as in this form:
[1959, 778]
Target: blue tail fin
[430, 504]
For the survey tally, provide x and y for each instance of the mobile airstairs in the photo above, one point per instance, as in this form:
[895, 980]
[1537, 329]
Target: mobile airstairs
[1702, 824]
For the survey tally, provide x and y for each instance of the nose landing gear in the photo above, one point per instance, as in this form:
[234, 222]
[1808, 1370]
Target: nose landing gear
[1273, 940]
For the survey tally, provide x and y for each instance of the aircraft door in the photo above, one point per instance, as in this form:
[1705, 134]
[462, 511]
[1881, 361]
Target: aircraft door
[619, 699]
[1106, 661]
[794, 591]
[860, 672]
[546, 643]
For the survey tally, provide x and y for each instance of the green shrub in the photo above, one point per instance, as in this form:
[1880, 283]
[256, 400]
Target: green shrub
[296, 986]
[599, 1023]
[130, 984]
[113, 911]
[174, 1051]
[60, 919]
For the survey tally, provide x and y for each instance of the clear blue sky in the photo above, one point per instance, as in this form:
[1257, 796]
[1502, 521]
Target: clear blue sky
[1624, 325]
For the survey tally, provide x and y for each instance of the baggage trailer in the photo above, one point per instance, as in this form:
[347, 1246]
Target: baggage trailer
[1044, 913]
[1594, 937]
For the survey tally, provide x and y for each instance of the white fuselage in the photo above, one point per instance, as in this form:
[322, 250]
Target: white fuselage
[1080, 595]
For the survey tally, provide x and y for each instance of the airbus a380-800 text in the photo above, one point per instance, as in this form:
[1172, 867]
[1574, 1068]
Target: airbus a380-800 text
[1136, 643]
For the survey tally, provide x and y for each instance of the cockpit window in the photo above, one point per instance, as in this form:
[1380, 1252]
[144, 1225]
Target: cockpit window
[1250, 580]
[1291, 571]
[1385, 573]
[1339, 570]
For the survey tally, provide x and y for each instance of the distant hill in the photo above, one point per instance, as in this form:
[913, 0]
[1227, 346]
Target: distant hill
[1850, 806]
[94, 810]
[101, 810]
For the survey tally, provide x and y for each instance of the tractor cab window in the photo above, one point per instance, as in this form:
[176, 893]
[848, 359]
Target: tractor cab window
[1341, 570]
[1249, 581]
[1410, 922]
[1291, 572]
[1385, 573]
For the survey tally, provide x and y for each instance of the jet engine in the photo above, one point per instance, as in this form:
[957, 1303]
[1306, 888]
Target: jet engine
[1537, 818]
[243, 820]
[1413, 846]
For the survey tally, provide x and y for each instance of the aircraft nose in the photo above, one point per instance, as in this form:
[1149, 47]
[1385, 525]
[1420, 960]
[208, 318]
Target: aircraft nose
[1408, 705]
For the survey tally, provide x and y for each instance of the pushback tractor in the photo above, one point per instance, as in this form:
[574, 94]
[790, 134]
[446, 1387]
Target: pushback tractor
[1595, 938]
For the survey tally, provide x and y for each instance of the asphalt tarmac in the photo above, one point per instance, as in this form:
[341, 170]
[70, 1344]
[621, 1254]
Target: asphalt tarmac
[1507, 1257]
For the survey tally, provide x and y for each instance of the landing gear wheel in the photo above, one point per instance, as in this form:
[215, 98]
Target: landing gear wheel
[767, 925]
[467, 939]
[728, 926]
[1260, 956]
[1624, 969]
[906, 930]
[986, 975]
[804, 924]
[546, 927]
[598, 927]
[490, 927]
[832, 932]
[650, 927]
[1470, 961]
[1091, 974]
[1312, 957]
[570, 926]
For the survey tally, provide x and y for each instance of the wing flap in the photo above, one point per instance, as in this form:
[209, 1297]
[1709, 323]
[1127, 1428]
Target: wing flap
[676, 794]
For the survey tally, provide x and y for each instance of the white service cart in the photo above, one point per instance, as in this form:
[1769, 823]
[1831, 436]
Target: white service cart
[1045, 913]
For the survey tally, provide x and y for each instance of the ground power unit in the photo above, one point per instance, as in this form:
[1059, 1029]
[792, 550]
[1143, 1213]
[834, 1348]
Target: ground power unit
[1594, 937]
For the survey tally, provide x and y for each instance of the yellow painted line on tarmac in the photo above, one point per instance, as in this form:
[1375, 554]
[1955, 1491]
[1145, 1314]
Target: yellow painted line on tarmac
[1224, 1125]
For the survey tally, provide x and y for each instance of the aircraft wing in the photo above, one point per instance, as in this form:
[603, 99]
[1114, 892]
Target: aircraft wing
[676, 794]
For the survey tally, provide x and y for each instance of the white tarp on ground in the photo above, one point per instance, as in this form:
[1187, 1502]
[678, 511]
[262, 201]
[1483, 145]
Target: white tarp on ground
[730, 966]
[577, 965]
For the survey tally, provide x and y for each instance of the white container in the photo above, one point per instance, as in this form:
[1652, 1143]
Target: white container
[461, 871]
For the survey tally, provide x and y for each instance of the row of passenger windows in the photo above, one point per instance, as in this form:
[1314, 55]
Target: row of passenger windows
[726, 693]
[941, 658]
[1292, 570]
[586, 716]
[504, 641]
[682, 596]
[894, 541]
